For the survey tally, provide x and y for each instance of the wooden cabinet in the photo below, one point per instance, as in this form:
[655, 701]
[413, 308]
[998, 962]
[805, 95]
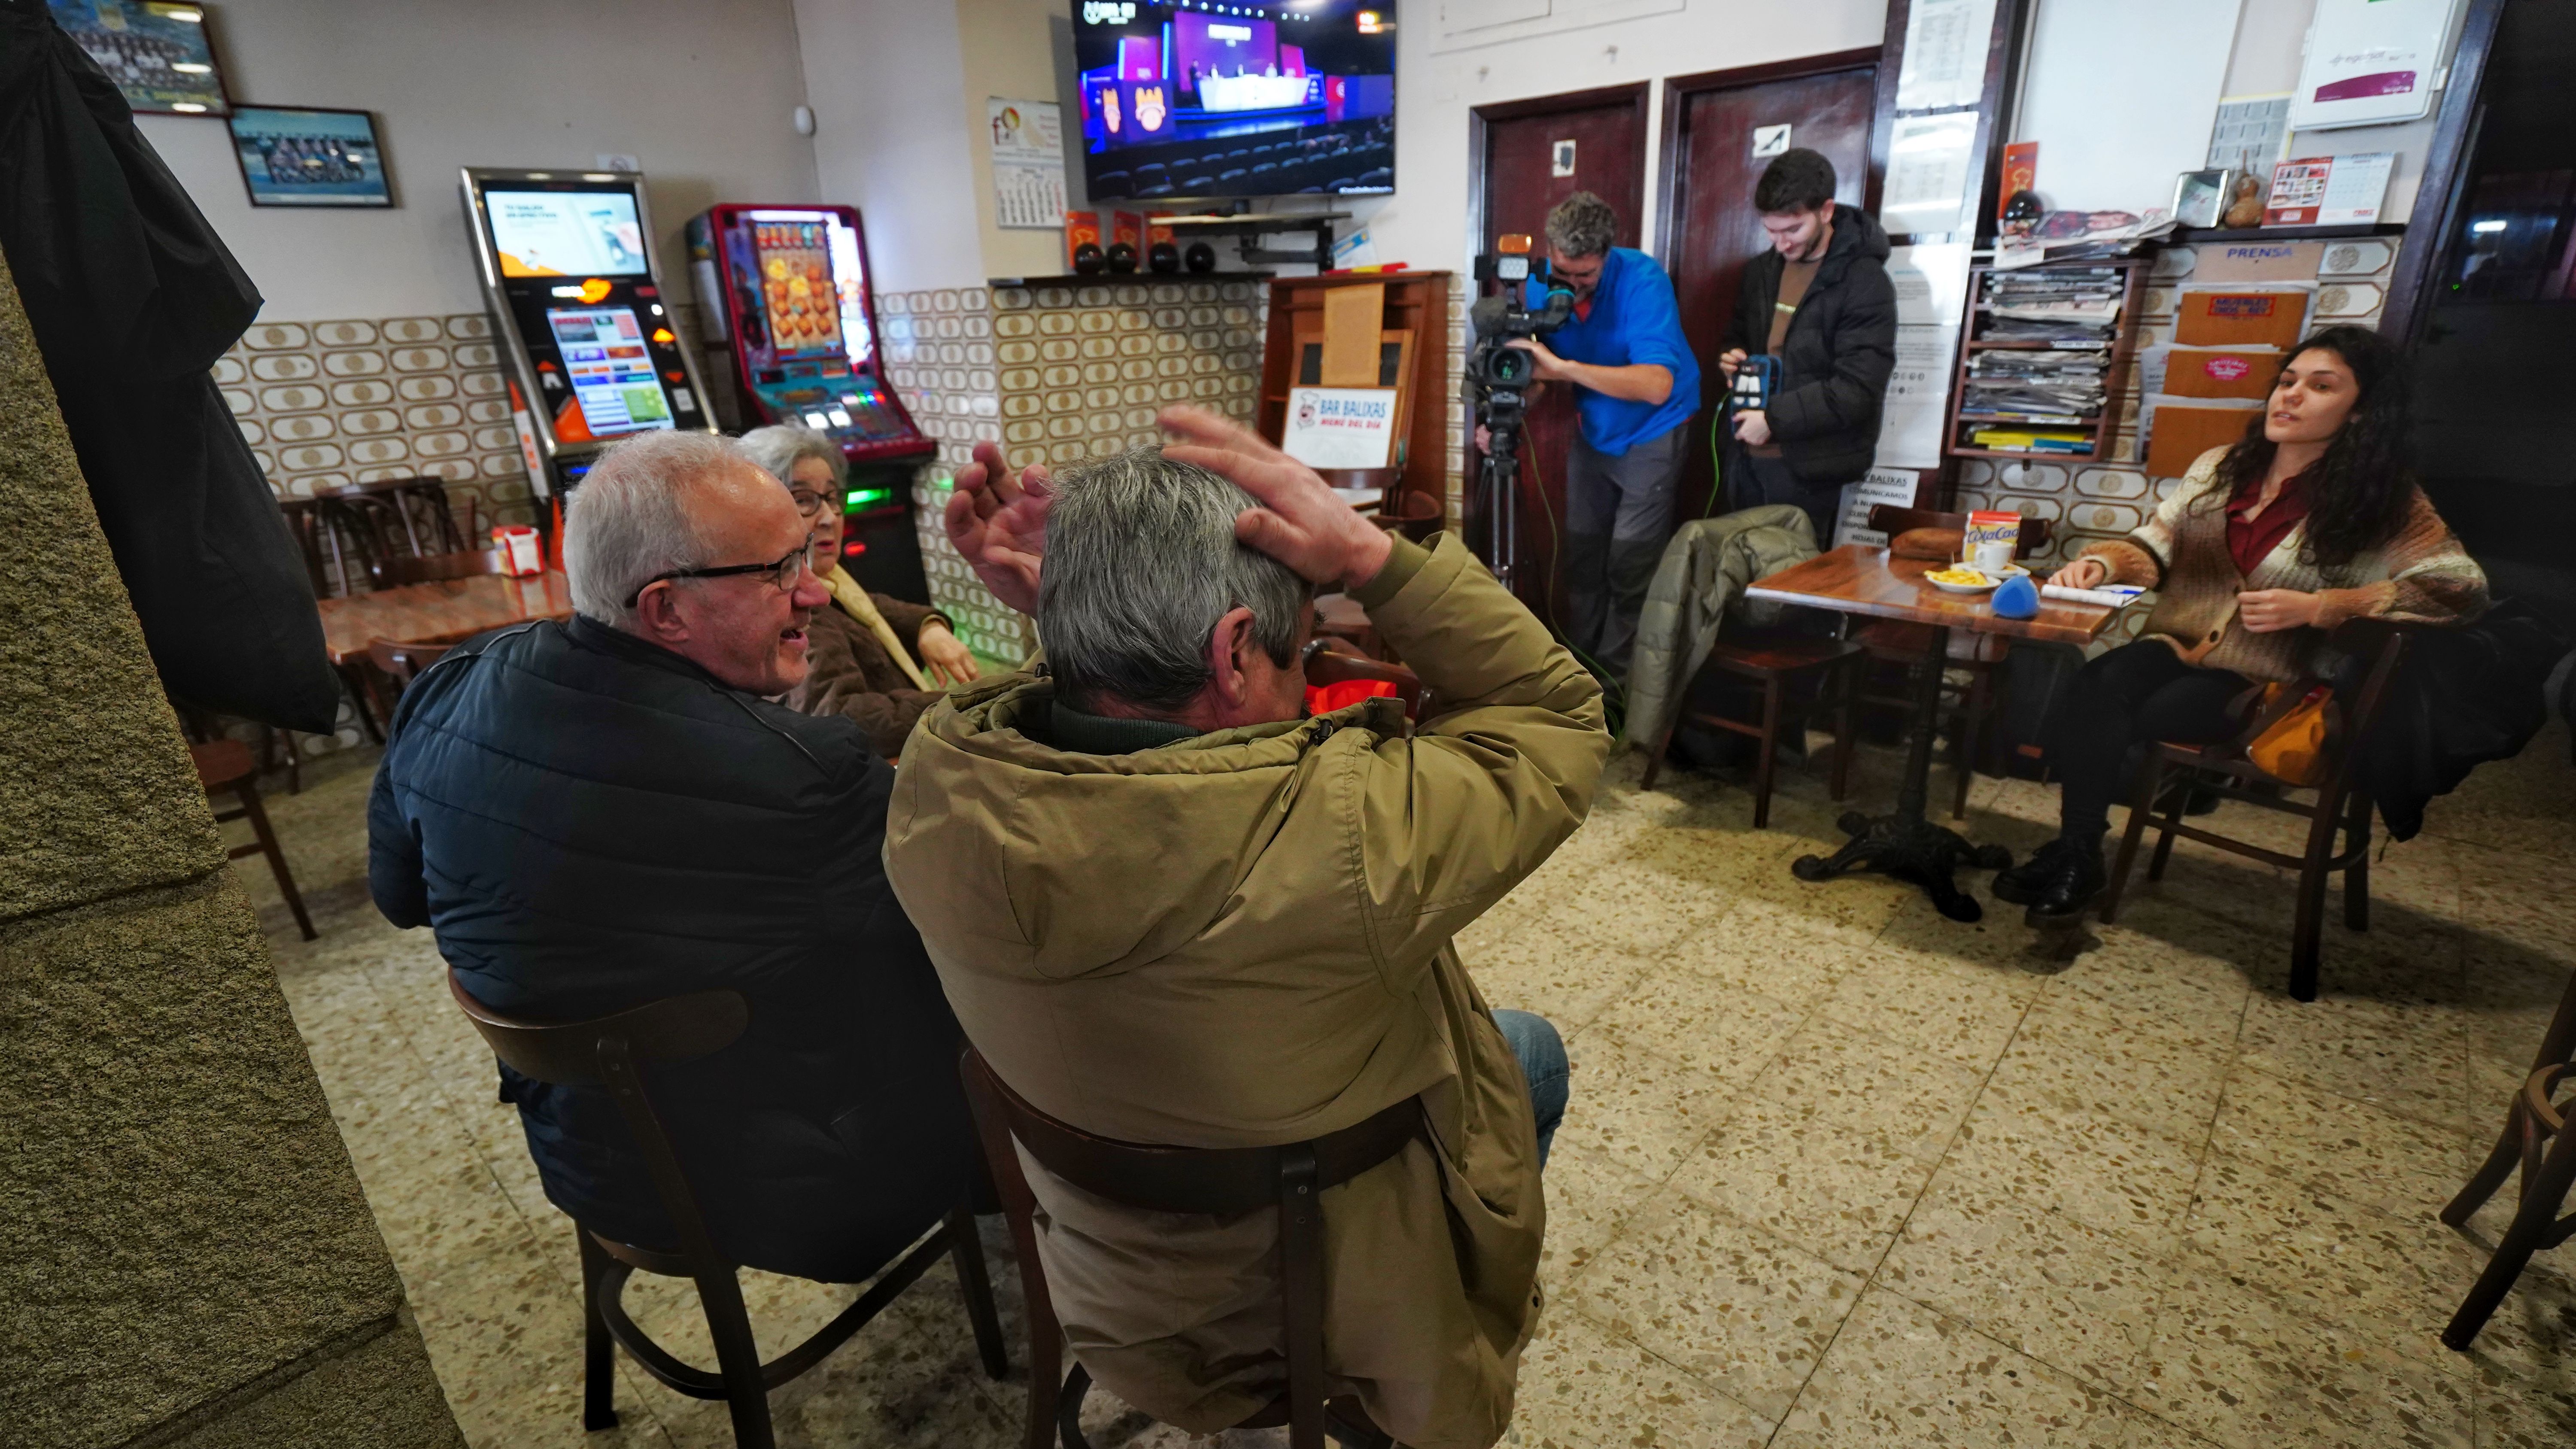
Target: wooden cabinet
[1417, 308]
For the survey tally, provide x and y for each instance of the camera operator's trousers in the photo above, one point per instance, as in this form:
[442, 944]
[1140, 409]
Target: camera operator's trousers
[1618, 516]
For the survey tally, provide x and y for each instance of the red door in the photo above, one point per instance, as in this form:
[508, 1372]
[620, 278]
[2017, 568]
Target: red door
[1710, 229]
[1520, 147]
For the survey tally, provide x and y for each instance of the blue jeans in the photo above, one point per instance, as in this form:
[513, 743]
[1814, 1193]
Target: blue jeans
[1543, 1066]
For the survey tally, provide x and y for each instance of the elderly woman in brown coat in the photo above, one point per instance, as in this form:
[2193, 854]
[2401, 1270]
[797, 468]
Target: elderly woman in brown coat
[862, 649]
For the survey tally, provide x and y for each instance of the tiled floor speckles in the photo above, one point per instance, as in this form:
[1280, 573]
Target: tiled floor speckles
[1837, 1171]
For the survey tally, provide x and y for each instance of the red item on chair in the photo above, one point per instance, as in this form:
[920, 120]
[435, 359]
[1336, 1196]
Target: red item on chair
[1325, 698]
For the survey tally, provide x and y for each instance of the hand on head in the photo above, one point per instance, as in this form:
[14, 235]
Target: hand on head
[1302, 522]
[997, 520]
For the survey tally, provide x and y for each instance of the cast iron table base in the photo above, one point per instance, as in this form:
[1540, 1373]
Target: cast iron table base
[1906, 845]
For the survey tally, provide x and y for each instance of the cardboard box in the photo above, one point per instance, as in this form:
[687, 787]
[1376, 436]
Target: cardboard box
[2239, 372]
[2240, 317]
[2182, 433]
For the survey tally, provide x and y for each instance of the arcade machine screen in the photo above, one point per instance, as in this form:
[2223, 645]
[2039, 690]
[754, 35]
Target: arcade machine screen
[795, 305]
[568, 269]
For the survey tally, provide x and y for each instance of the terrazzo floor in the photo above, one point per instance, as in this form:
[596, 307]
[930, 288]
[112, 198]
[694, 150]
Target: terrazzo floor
[1837, 1171]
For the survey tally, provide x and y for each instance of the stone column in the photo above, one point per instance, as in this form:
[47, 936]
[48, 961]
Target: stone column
[185, 1256]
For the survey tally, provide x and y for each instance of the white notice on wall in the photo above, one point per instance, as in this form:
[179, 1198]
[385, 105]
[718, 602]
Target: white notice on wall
[1028, 163]
[1945, 54]
[1911, 423]
[1928, 172]
[2356, 188]
[2370, 62]
[1340, 427]
[1891, 486]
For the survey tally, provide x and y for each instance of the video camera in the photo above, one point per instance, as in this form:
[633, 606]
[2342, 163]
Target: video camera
[1502, 376]
[1494, 365]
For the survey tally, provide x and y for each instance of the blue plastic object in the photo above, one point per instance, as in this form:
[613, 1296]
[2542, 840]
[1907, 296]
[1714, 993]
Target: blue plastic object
[2017, 598]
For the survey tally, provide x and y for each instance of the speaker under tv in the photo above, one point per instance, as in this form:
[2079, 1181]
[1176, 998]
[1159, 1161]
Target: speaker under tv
[1190, 100]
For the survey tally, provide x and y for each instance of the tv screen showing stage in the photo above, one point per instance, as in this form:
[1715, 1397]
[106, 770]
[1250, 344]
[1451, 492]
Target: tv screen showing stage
[1192, 99]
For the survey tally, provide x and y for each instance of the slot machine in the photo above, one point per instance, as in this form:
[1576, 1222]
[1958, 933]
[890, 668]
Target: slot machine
[566, 259]
[785, 290]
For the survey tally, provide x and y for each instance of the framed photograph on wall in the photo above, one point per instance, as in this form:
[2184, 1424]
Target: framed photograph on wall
[303, 156]
[158, 53]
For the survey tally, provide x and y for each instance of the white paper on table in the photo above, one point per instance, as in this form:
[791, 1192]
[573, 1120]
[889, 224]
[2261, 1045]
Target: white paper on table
[2356, 188]
[1340, 427]
[1945, 54]
[1879, 485]
[1028, 163]
[1913, 422]
[1929, 164]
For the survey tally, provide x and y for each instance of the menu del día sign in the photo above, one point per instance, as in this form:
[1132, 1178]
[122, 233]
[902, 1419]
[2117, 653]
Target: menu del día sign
[1340, 427]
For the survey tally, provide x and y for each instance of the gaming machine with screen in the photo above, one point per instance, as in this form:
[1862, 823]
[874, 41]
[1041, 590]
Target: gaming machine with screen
[567, 264]
[1199, 99]
[786, 288]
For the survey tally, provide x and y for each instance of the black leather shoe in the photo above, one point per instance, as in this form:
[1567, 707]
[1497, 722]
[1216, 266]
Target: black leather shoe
[2061, 878]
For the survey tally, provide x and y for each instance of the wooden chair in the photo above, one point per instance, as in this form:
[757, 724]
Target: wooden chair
[1221, 1181]
[227, 765]
[437, 567]
[614, 1051]
[1893, 641]
[1329, 661]
[399, 662]
[1415, 516]
[2537, 1141]
[2339, 803]
[1775, 663]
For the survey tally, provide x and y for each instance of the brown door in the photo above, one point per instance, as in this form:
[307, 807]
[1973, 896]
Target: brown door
[1710, 229]
[1518, 148]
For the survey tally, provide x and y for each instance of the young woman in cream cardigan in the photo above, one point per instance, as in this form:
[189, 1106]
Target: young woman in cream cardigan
[2312, 519]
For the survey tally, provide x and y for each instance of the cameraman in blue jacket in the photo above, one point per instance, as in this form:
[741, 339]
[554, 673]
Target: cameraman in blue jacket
[1635, 387]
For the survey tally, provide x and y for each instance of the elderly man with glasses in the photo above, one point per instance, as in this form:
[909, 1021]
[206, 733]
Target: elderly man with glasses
[596, 814]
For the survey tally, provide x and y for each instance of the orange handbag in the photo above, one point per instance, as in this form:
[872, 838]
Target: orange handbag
[2293, 732]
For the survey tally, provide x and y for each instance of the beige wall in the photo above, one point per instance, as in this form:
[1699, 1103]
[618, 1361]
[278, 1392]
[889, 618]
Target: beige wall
[1007, 50]
[699, 91]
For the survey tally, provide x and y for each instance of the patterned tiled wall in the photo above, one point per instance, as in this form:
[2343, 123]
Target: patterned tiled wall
[1055, 374]
[326, 404]
[2091, 501]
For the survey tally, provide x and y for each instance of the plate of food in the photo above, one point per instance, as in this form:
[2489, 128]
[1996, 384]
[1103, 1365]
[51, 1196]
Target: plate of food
[1960, 579]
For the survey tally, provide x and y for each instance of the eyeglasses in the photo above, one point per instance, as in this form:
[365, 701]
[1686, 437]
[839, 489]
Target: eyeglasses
[808, 502]
[784, 575]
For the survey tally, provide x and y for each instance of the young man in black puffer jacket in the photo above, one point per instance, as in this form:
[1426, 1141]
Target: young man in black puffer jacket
[1820, 301]
[601, 813]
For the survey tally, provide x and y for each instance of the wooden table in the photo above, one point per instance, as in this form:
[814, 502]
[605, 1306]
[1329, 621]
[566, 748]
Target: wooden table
[441, 612]
[1858, 579]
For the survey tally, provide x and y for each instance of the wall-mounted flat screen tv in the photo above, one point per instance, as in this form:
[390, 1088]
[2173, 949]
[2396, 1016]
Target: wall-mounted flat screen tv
[1197, 99]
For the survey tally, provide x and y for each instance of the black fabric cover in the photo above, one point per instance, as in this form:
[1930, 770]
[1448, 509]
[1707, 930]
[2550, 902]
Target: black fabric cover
[1837, 357]
[2461, 697]
[133, 297]
[591, 822]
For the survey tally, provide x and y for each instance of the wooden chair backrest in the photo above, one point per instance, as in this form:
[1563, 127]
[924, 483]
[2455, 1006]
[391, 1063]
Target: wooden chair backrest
[2383, 643]
[402, 659]
[1327, 664]
[1891, 520]
[1416, 516]
[432, 568]
[673, 1029]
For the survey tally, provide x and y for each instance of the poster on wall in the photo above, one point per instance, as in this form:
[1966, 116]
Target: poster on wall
[1340, 427]
[1028, 163]
[299, 157]
[2371, 62]
[1945, 54]
[1931, 174]
[159, 55]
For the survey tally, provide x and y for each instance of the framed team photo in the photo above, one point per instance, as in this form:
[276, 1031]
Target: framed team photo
[300, 156]
[158, 54]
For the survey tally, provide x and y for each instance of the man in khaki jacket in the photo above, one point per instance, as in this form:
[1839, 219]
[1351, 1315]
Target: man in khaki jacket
[1169, 908]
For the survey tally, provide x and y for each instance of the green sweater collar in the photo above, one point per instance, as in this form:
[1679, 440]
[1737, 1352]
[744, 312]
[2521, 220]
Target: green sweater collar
[1094, 734]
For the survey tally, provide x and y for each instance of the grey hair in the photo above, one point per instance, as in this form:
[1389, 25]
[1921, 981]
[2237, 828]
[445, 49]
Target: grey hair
[1582, 225]
[630, 518]
[780, 447]
[1141, 562]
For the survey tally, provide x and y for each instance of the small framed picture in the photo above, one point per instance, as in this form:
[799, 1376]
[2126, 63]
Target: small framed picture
[158, 54]
[2201, 198]
[300, 156]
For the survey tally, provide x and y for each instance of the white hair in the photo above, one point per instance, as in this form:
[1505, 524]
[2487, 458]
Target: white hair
[1141, 562]
[630, 520]
[780, 447]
